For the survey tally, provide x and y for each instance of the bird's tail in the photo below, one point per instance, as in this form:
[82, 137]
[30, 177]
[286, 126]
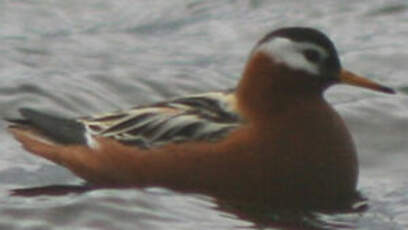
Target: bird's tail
[49, 127]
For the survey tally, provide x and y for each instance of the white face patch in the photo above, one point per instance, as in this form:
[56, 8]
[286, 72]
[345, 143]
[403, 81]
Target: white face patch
[290, 53]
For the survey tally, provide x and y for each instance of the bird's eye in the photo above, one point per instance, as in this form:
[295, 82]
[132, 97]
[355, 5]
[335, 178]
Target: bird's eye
[312, 55]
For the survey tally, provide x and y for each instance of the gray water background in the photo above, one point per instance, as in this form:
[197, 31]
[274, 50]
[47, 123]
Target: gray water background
[84, 57]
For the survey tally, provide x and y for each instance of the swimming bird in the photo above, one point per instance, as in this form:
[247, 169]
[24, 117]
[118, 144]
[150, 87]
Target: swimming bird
[273, 139]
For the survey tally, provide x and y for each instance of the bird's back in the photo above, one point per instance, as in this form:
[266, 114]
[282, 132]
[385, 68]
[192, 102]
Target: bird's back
[202, 117]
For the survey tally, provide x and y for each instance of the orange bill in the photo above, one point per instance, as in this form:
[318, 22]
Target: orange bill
[350, 78]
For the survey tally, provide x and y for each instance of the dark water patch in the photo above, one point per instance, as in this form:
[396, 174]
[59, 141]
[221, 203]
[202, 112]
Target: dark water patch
[51, 190]
[404, 90]
[33, 51]
[265, 217]
[163, 27]
[389, 10]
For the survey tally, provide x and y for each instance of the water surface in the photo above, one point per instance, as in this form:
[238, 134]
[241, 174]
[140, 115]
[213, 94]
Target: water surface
[83, 57]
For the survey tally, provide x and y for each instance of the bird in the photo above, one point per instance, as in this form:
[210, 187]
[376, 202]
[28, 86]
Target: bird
[272, 140]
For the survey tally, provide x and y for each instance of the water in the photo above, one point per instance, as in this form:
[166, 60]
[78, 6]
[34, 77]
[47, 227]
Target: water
[84, 57]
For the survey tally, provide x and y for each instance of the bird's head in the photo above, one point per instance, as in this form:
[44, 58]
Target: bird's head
[305, 55]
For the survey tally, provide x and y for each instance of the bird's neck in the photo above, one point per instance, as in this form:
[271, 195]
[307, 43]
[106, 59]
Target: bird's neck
[267, 89]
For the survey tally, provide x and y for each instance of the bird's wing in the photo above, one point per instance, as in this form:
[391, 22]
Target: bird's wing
[207, 117]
